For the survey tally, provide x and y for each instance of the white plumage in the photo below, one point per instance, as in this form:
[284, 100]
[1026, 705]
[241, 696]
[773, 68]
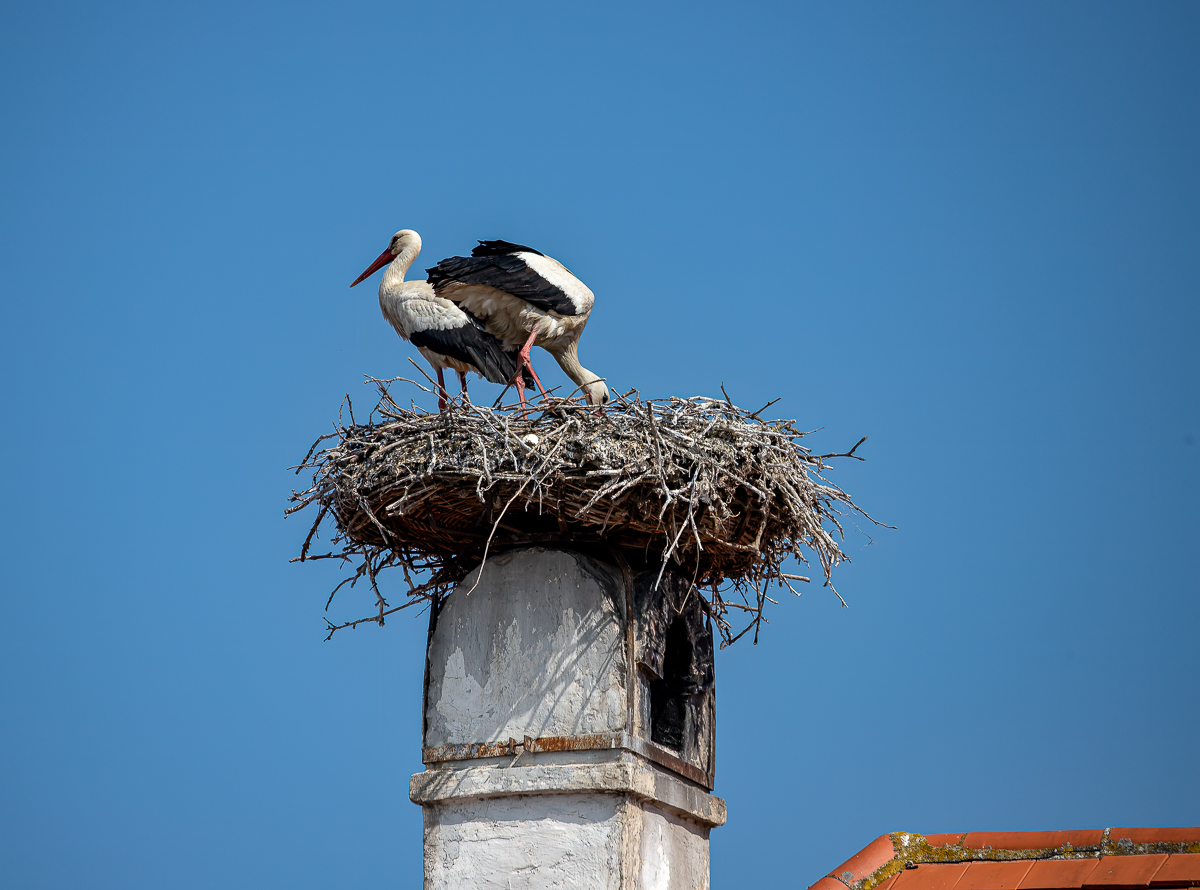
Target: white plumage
[524, 297]
[446, 335]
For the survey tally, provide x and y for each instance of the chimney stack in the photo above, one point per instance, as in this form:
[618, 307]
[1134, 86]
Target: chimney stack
[569, 728]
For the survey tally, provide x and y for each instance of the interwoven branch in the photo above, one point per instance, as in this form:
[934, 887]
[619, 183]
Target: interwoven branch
[695, 483]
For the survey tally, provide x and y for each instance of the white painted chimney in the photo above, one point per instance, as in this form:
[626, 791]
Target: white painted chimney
[564, 745]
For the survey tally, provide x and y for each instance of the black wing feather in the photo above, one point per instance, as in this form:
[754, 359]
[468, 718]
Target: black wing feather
[500, 248]
[471, 343]
[504, 272]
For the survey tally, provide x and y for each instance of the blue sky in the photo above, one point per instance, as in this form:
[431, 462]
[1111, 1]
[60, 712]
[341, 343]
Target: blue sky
[968, 231]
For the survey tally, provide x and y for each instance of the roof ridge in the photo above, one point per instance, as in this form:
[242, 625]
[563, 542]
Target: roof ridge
[889, 854]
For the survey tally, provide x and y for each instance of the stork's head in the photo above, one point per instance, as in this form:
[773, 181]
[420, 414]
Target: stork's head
[596, 392]
[406, 242]
[405, 239]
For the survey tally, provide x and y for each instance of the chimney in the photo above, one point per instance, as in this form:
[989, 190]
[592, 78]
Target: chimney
[569, 728]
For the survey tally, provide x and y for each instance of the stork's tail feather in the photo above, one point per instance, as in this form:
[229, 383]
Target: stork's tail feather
[502, 367]
[496, 365]
[471, 343]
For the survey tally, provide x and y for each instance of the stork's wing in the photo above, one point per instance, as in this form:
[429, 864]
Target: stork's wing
[471, 343]
[500, 248]
[518, 270]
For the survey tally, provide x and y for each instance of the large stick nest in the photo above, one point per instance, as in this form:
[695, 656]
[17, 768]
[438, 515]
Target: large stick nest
[696, 484]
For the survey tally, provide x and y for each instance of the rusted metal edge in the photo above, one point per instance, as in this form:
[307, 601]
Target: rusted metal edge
[593, 742]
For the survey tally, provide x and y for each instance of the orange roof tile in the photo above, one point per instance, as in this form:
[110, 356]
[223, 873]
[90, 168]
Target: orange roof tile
[1058, 874]
[1126, 871]
[994, 875]
[930, 877]
[1093, 859]
[1181, 870]
[1034, 840]
[868, 860]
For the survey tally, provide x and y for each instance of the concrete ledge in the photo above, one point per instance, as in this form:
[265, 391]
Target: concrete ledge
[639, 780]
[593, 742]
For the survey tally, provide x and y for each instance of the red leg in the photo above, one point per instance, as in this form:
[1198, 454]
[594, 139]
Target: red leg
[519, 380]
[441, 391]
[524, 361]
[534, 375]
[462, 381]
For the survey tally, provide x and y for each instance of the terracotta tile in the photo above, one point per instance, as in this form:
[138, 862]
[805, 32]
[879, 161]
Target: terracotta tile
[887, 885]
[994, 875]
[828, 884]
[944, 840]
[1034, 840]
[1125, 871]
[1155, 835]
[934, 876]
[1181, 870]
[863, 863]
[1058, 874]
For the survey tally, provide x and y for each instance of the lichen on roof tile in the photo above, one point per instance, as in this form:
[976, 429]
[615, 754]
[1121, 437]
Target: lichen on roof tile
[1183, 835]
[1061, 860]
[1034, 840]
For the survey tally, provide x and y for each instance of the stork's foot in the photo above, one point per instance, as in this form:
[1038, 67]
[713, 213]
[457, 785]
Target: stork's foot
[519, 381]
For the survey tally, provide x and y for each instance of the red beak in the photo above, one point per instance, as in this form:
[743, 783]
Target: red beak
[382, 260]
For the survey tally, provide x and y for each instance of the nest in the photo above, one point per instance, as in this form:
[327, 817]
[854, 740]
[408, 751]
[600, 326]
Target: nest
[698, 485]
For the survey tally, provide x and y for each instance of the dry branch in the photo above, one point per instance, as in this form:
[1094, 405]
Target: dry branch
[697, 483]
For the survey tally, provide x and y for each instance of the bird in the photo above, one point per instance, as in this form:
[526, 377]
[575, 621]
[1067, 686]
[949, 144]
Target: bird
[524, 297]
[443, 332]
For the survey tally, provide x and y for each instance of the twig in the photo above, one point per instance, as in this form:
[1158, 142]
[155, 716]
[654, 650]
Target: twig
[765, 407]
[849, 453]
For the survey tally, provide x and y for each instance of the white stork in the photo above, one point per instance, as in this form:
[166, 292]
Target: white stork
[524, 297]
[446, 335]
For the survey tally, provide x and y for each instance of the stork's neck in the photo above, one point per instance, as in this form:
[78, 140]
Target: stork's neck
[568, 359]
[394, 275]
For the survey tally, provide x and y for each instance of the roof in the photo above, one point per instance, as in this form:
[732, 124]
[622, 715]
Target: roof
[1091, 859]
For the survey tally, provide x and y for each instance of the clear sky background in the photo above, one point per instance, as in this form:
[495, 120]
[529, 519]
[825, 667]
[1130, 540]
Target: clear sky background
[968, 231]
